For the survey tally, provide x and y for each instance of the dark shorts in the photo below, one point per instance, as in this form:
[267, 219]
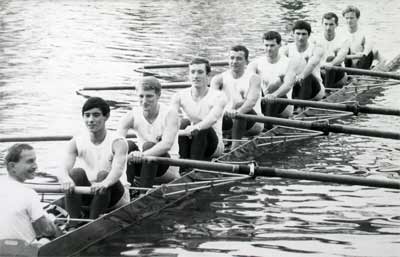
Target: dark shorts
[307, 89]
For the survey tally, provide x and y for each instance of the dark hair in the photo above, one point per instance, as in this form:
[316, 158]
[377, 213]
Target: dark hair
[96, 102]
[150, 83]
[14, 152]
[271, 35]
[199, 60]
[238, 48]
[302, 25]
[331, 15]
[351, 8]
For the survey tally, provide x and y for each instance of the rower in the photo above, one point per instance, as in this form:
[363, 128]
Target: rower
[200, 134]
[362, 52]
[96, 158]
[243, 91]
[335, 49]
[272, 67]
[156, 126]
[22, 217]
[304, 64]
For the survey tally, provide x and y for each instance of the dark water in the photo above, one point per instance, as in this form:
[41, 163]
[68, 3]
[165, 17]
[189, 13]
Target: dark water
[49, 49]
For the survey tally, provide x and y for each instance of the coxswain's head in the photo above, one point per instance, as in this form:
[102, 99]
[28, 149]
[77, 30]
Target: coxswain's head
[20, 161]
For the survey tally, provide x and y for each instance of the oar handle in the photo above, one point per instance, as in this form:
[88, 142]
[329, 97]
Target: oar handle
[58, 189]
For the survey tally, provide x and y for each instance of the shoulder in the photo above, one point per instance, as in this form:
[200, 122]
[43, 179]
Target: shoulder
[217, 97]
[119, 144]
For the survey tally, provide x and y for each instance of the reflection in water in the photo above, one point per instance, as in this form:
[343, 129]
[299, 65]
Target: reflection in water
[49, 49]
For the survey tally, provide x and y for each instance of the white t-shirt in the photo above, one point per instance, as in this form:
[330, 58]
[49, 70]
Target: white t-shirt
[153, 132]
[197, 111]
[20, 207]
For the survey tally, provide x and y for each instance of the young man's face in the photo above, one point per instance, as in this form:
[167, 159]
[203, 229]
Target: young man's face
[198, 75]
[94, 119]
[237, 61]
[148, 99]
[271, 48]
[351, 19]
[329, 26]
[301, 36]
[26, 166]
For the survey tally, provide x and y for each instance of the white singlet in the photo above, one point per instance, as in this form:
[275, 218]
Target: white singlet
[271, 71]
[95, 158]
[357, 40]
[197, 111]
[21, 207]
[153, 132]
[331, 48]
[236, 89]
[306, 55]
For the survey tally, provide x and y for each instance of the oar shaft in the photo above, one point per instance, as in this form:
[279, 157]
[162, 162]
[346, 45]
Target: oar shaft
[274, 172]
[42, 138]
[355, 108]
[332, 178]
[170, 85]
[381, 74]
[180, 65]
[323, 126]
[58, 189]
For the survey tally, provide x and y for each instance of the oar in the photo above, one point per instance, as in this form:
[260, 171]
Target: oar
[179, 65]
[170, 85]
[253, 170]
[354, 108]
[323, 126]
[381, 74]
[9, 139]
[58, 189]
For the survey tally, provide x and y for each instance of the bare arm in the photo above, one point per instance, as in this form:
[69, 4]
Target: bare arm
[217, 82]
[313, 62]
[69, 162]
[125, 124]
[253, 94]
[341, 54]
[252, 67]
[120, 149]
[288, 80]
[176, 102]
[215, 113]
[168, 138]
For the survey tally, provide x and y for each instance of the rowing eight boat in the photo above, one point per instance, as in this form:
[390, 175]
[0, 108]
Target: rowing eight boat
[167, 195]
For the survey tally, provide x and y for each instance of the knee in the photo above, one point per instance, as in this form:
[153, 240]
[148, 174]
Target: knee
[77, 174]
[147, 145]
